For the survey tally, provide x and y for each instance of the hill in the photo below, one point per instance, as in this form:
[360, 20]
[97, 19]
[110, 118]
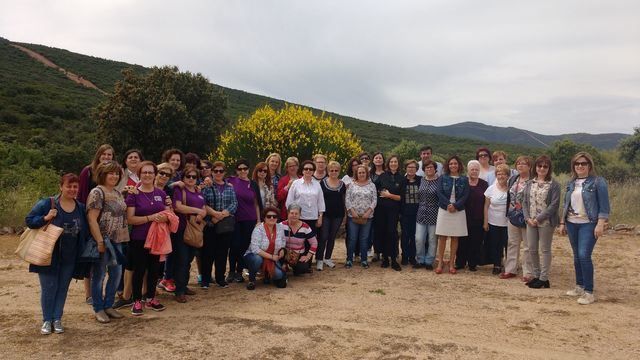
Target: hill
[40, 108]
[512, 135]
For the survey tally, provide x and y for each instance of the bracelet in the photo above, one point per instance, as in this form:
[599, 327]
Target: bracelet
[148, 219]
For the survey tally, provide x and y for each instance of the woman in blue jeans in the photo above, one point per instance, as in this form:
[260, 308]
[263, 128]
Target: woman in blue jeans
[586, 209]
[426, 239]
[360, 200]
[66, 212]
[267, 239]
[107, 218]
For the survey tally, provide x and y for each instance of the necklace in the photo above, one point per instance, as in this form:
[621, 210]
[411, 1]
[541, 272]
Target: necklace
[145, 195]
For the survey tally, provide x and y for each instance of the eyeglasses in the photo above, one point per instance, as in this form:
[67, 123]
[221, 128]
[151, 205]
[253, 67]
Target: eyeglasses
[193, 177]
[364, 158]
[308, 169]
[483, 155]
[334, 170]
[262, 170]
[164, 174]
[581, 163]
[218, 171]
[242, 168]
[411, 167]
[147, 173]
[542, 166]
[271, 216]
[522, 163]
[206, 168]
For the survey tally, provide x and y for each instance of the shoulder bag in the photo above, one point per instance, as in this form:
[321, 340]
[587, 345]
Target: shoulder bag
[90, 253]
[193, 232]
[36, 245]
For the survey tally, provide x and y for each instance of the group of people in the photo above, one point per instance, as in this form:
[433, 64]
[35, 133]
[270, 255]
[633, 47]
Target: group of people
[149, 221]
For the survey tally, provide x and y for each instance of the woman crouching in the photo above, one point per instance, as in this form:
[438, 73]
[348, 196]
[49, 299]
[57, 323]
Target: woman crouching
[267, 241]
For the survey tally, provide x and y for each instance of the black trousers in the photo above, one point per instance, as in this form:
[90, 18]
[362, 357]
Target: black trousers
[240, 241]
[140, 260]
[389, 230]
[327, 238]
[470, 247]
[214, 251]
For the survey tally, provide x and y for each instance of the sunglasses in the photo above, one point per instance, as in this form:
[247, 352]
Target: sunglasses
[308, 169]
[192, 177]
[364, 158]
[147, 173]
[164, 174]
[242, 169]
[483, 155]
[542, 166]
[262, 170]
[581, 163]
[271, 216]
[206, 168]
[218, 171]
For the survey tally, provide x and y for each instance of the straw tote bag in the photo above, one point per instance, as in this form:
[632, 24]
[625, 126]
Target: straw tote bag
[193, 235]
[36, 245]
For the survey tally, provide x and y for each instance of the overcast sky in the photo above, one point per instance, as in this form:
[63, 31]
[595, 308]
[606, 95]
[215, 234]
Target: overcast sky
[552, 67]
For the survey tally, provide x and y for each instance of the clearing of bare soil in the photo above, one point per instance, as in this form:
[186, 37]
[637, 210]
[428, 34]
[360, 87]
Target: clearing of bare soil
[357, 313]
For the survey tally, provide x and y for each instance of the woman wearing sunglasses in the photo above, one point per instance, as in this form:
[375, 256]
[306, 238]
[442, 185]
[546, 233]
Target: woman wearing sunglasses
[262, 177]
[307, 193]
[540, 209]
[247, 217]
[586, 210]
[267, 241]
[483, 155]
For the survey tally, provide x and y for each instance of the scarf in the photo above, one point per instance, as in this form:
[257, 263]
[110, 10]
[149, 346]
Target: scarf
[268, 265]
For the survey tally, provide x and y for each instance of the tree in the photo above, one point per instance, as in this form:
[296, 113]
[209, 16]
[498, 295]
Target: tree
[562, 151]
[162, 109]
[406, 149]
[291, 131]
[630, 148]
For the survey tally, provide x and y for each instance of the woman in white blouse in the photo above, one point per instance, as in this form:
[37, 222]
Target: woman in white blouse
[308, 194]
[264, 252]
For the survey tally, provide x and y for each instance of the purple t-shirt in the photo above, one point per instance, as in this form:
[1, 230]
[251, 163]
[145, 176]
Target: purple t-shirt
[145, 204]
[194, 199]
[246, 199]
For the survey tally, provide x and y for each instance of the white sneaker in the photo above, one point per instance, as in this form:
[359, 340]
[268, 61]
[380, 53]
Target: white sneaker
[586, 299]
[578, 291]
[319, 265]
[329, 263]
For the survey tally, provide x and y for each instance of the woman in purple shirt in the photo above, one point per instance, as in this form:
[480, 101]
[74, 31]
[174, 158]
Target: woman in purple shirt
[247, 217]
[143, 208]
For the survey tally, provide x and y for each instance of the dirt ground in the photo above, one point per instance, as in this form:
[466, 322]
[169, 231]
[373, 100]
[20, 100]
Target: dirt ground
[339, 313]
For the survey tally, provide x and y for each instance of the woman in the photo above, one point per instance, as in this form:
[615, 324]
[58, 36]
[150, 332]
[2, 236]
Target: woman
[307, 193]
[427, 216]
[300, 239]
[349, 177]
[143, 208]
[291, 166]
[247, 217]
[274, 162]
[483, 155]
[517, 234]
[409, 212]
[585, 212]
[495, 219]
[87, 182]
[63, 211]
[333, 191]
[263, 179]
[540, 209]
[376, 237]
[131, 160]
[206, 177]
[107, 219]
[263, 254]
[320, 162]
[364, 159]
[360, 200]
[175, 158]
[221, 204]
[498, 157]
[392, 185]
[165, 173]
[187, 202]
[470, 246]
[453, 192]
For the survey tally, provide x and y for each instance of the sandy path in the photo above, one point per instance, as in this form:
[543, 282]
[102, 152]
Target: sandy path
[340, 313]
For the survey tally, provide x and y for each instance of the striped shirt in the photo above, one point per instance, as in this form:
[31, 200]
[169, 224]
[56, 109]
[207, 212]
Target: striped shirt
[302, 239]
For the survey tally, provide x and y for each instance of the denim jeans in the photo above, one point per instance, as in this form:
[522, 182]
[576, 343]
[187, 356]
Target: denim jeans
[183, 256]
[426, 243]
[98, 271]
[170, 262]
[582, 240]
[54, 286]
[358, 234]
[408, 237]
[254, 263]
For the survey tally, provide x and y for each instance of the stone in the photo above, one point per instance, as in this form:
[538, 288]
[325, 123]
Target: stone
[623, 227]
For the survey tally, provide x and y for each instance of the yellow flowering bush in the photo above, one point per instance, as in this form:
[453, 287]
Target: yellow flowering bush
[291, 131]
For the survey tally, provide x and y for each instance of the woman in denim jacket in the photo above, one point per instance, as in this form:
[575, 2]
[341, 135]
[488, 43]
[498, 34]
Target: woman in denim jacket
[586, 209]
[453, 191]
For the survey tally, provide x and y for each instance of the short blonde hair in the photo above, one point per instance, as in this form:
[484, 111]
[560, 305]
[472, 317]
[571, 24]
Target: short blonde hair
[165, 167]
[291, 160]
[316, 156]
[334, 164]
[503, 168]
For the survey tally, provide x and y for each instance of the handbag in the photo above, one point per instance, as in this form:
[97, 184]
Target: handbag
[193, 232]
[90, 253]
[36, 245]
[516, 218]
[226, 225]
[288, 257]
[360, 220]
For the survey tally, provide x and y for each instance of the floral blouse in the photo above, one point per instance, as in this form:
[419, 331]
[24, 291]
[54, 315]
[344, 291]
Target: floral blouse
[361, 197]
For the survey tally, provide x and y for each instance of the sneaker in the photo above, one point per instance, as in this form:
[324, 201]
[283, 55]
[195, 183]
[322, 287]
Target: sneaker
[137, 309]
[167, 285]
[230, 277]
[222, 284]
[365, 264]
[46, 328]
[348, 264]
[89, 300]
[114, 314]
[120, 303]
[251, 285]
[155, 305]
[329, 263]
[102, 317]
[578, 291]
[586, 298]
[57, 327]
[319, 265]
[238, 278]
